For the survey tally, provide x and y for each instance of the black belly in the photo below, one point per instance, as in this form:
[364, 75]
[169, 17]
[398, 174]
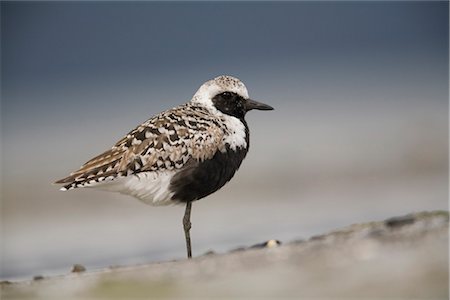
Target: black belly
[199, 179]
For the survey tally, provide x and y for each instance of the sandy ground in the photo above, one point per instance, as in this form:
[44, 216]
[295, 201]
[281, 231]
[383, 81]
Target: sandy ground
[399, 258]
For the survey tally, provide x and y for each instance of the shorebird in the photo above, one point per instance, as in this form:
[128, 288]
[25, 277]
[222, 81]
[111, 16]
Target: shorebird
[180, 155]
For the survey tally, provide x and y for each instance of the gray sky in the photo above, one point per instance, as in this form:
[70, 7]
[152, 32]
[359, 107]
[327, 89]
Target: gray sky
[174, 47]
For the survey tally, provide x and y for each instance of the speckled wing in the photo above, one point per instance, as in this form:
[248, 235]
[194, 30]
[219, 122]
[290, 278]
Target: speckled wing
[165, 142]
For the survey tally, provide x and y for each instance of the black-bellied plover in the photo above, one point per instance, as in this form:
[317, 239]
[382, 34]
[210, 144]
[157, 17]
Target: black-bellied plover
[180, 155]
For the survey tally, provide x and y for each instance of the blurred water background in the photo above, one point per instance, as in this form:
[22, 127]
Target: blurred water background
[359, 131]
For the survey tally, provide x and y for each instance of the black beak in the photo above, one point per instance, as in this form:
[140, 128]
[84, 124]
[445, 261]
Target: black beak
[252, 104]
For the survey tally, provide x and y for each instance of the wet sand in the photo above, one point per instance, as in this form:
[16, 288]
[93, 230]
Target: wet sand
[401, 257]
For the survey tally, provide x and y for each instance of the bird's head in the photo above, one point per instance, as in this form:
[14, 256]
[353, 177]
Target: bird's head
[228, 95]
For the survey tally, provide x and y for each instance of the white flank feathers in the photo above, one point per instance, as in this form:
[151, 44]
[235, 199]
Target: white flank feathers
[149, 187]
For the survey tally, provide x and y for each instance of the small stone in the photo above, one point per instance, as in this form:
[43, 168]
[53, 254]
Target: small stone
[38, 277]
[272, 243]
[77, 268]
[400, 221]
[267, 244]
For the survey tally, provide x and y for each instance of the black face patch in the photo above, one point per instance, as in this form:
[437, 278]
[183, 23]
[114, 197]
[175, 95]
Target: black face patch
[231, 104]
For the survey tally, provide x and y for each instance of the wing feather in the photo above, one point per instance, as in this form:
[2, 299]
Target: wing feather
[164, 142]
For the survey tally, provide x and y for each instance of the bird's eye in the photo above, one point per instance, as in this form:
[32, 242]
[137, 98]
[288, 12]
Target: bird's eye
[226, 95]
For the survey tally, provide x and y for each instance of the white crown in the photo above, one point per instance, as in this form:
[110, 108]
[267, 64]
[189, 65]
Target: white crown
[219, 85]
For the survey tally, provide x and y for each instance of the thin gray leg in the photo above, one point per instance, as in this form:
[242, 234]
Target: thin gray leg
[187, 228]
